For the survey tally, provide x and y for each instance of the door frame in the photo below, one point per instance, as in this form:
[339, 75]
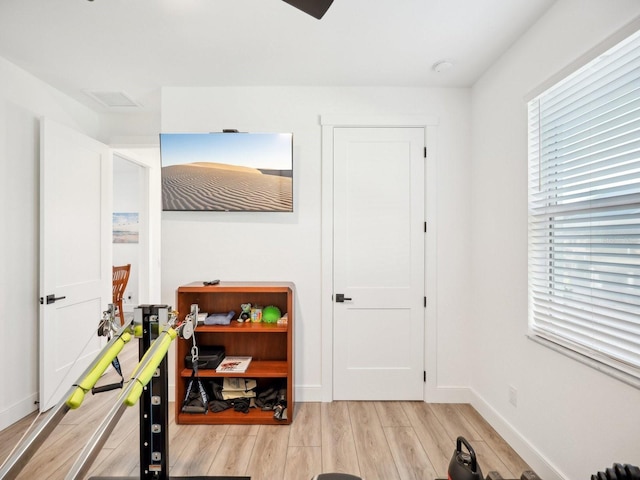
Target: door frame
[147, 156]
[328, 124]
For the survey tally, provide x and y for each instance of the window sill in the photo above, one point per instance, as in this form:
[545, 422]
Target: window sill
[590, 362]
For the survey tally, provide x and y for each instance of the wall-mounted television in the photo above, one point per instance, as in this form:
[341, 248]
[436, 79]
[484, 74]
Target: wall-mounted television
[227, 172]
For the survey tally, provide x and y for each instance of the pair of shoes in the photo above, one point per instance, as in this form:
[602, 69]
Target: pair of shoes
[266, 400]
[240, 404]
[218, 406]
[280, 412]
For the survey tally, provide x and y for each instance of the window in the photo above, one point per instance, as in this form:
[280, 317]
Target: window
[584, 213]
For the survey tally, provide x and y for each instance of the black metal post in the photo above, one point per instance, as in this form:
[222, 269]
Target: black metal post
[154, 403]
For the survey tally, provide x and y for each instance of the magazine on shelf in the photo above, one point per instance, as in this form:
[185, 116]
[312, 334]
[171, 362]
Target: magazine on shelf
[234, 364]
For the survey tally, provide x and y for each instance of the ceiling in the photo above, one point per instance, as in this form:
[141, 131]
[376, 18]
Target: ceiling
[138, 46]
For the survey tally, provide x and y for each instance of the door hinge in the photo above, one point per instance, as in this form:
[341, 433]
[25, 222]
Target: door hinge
[425, 152]
[424, 376]
[425, 302]
[425, 227]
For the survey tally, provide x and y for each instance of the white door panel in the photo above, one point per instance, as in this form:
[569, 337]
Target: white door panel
[75, 254]
[379, 263]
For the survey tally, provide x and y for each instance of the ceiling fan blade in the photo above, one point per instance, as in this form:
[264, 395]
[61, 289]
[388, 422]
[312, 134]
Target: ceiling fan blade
[315, 8]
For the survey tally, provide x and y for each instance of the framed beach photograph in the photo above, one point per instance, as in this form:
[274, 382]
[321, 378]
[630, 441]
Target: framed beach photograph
[126, 227]
[227, 172]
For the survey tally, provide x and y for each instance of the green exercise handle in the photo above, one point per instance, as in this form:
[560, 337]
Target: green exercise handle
[91, 378]
[148, 365]
[137, 331]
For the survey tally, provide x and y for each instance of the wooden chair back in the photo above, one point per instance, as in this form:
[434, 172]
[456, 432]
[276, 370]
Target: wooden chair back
[120, 280]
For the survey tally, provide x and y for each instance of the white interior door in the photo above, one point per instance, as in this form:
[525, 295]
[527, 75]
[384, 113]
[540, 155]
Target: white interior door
[75, 254]
[378, 263]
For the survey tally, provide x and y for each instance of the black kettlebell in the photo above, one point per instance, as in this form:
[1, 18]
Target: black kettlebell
[464, 466]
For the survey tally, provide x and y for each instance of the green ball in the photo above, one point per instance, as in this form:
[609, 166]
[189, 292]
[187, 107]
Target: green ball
[271, 314]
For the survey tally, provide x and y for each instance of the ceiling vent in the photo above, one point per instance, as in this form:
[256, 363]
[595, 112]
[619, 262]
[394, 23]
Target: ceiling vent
[112, 99]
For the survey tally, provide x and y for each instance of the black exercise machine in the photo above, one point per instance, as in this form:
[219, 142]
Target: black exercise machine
[154, 325]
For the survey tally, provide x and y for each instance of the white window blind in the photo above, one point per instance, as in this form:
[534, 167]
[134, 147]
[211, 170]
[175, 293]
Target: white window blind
[584, 211]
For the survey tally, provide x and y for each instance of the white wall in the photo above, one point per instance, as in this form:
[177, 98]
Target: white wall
[23, 100]
[287, 246]
[570, 420]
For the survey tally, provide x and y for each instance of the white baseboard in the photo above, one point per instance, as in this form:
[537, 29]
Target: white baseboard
[536, 460]
[18, 411]
[315, 393]
[308, 393]
[447, 395]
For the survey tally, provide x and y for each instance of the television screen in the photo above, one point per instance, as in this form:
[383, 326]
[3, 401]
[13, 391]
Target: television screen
[227, 172]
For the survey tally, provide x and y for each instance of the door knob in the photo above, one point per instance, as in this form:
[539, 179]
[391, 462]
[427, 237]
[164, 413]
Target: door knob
[341, 298]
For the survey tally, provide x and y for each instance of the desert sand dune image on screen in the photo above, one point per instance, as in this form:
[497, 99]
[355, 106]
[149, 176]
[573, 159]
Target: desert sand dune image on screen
[225, 188]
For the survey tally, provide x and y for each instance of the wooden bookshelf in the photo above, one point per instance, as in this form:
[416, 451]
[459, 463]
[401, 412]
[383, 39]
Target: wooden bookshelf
[270, 345]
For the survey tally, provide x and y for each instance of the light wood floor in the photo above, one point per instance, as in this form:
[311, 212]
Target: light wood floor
[374, 440]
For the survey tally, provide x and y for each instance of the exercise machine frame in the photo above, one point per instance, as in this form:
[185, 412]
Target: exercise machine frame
[154, 404]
